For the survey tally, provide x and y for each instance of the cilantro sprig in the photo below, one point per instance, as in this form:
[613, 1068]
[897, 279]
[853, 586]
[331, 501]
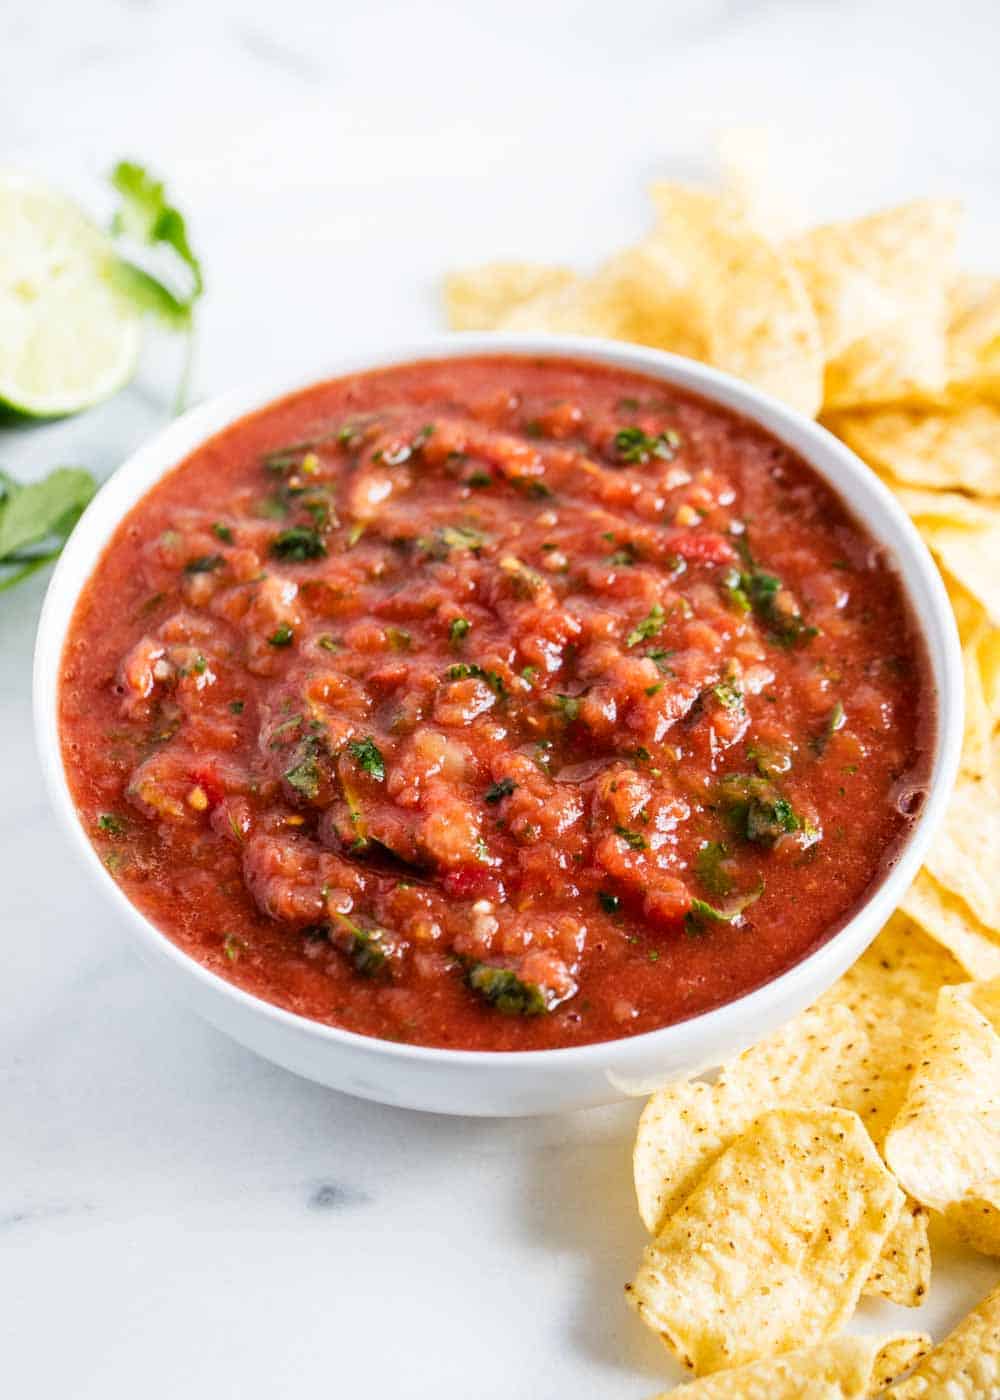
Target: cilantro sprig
[157, 266]
[36, 519]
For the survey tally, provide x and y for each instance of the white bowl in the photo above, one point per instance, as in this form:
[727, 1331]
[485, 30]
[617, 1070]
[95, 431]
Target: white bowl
[541, 1081]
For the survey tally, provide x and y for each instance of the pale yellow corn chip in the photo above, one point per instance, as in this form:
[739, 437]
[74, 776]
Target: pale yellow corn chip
[959, 449]
[949, 920]
[966, 1366]
[880, 286]
[771, 1249]
[976, 1217]
[477, 298]
[902, 1272]
[845, 1368]
[945, 1143]
[965, 854]
[853, 1049]
[571, 308]
[974, 336]
[904, 361]
[895, 1356]
[965, 536]
[864, 275]
[981, 667]
[755, 315]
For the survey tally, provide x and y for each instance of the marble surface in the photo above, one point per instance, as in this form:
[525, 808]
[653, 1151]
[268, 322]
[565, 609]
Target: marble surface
[176, 1216]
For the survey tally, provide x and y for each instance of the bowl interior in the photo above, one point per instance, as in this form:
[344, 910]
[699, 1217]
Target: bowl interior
[866, 496]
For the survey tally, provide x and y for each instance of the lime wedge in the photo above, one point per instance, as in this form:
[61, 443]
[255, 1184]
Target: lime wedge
[68, 336]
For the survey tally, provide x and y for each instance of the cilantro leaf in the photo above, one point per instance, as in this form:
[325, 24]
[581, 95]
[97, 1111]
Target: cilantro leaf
[648, 627]
[496, 791]
[634, 446]
[701, 912]
[146, 216]
[756, 810]
[298, 544]
[709, 864]
[505, 991]
[36, 520]
[157, 267]
[368, 756]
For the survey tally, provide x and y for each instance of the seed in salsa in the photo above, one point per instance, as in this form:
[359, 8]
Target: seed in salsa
[496, 704]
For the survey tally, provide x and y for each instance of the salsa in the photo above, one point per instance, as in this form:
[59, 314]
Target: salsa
[495, 703]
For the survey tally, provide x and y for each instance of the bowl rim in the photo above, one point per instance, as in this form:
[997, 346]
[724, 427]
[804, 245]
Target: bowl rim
[917, 573]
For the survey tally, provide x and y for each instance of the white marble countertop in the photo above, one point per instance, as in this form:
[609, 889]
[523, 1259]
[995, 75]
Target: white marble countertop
[176, 1216]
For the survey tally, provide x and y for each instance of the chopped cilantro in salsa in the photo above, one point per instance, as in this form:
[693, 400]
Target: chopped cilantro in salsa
[368, 756]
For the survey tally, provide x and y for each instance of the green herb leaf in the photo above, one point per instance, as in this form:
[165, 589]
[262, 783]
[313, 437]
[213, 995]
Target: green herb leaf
[568, 706]
[170, 289]
[461, 671]
[146, 215]
[836, 720]
[763, 593]
[282, 636]
[112, 823]
[634, 446]
[709, 866]
[222, 532]
[701, 912]
[728, 696]
[635, 839]
[37, 519]
[367, 756]
[648, 627]
[367, 949]
[505, 991]
[298, 544]
[458, 630]
[203, 565]
[304, 775]
[755, 809]
[610, 903]
[496, 791]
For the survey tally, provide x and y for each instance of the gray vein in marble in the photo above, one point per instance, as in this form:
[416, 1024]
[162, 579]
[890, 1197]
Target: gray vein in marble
[37, 1215]
[269, 50]
[332, 1196]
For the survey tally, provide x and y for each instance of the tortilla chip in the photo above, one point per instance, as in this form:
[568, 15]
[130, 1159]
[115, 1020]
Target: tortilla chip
[966, 1366]
[895, 1356]
[958, 449]
[974, 336]
[965, 536]
[864, 275]
[945, 1143]
[853, 1049]
[880, 288]
[771, 1249]
[965, 854]
[755, 315]
[976, 1217]
[902, 1272]
[844, 1368]
[649, 292]
[573, 307]
[949, 920]
[981, 667]
[477, 298]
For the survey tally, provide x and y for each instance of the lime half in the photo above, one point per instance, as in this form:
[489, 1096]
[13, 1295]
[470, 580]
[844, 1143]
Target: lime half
[68, 336]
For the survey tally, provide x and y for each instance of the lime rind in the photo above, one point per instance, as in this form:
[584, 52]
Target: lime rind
[69, 336]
